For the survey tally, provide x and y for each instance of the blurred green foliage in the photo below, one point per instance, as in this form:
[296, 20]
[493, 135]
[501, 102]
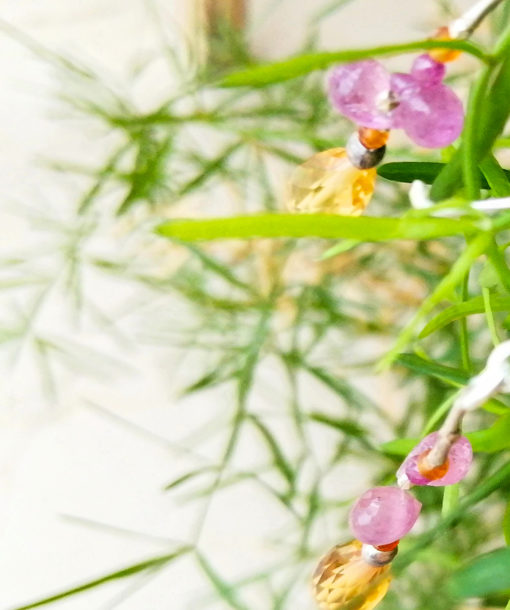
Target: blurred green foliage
[435, 290]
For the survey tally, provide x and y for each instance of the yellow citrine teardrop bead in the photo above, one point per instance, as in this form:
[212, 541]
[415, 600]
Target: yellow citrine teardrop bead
[328, 183]
[344, 581]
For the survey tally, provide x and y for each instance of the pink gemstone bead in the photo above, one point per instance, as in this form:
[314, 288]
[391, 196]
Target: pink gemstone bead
[459, 461]
[360, 92]
[428, 71]
[383, 515]
[432, 116]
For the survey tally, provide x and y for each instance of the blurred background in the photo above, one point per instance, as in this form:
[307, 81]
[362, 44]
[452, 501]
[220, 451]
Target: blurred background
[157, 396]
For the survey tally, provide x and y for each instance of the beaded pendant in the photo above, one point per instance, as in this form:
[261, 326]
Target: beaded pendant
[328, 183]
[341, 181]
[345, 581]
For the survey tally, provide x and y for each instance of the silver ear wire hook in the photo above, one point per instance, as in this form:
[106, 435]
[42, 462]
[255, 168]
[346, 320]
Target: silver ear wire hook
[494, 378]
[466, 24]
[420, 200]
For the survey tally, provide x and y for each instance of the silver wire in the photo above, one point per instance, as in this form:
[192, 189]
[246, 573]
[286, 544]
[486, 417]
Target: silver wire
[467, 23]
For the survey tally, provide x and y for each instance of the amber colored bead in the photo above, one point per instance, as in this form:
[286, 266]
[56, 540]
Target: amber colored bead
[344, 581]
[373, 138]
[385, 548]
[328, 183]
[444, 55]
[433, 474]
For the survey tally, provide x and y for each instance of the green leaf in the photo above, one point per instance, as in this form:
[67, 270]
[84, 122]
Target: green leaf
[497, 258]
[490, 440]
[462, 310]
[279, 460]
[433, 369]
[408, 171]
[347, 426]
[213, 265]
[442, 291]
[493, 439]
[426, 171]
[489, 573]
[327, 226]
[400, 446]
[222, 588]
[495, 111]
[439, 412]
[496, 176]
[506, 524]
[449, 179]
[267, 74]
[150, 564]
[343, 246]
[189, 476]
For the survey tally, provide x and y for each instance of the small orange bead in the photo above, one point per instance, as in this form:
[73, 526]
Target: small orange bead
[433, 474]
[372, 138]
[444, 55]
[385, 548]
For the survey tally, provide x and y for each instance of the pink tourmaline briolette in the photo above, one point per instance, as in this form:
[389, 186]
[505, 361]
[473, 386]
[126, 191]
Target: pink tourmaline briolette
[429, 112]
[431, 115]
[427, 70]
[383, 514]
[360, 91]
[460, 457]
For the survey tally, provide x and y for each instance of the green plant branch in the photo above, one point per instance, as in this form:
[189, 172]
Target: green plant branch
[269, 74]
[315, 225]
[157, 562]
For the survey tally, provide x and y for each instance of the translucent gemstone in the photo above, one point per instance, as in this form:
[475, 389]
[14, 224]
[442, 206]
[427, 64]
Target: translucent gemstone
[383, 514]
[444, 55]
[460, 457]
[328, 183]
[432, 116]
[427, 70]
[344, 581]
[360, 91]
[431, 473]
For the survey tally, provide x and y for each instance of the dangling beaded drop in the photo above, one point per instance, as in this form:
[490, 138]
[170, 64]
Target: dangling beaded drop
[356, 575]
[341, 181]
[345, 580]
[328, 183]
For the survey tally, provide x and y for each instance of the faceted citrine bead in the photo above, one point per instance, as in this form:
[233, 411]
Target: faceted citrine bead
[328, 183]
[444, 55]
[344, 581]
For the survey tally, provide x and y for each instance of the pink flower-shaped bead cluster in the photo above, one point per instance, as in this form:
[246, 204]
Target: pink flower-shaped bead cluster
[419, 103]
[383, 515]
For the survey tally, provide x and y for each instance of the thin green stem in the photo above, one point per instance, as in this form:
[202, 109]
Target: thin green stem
[443, 408]
[489, 315]
[464, 333]
[470, 160]
[268, 74]
[450, 499]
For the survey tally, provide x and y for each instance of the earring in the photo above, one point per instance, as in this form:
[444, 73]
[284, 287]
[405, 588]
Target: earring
[341, 180]
[356, 575]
